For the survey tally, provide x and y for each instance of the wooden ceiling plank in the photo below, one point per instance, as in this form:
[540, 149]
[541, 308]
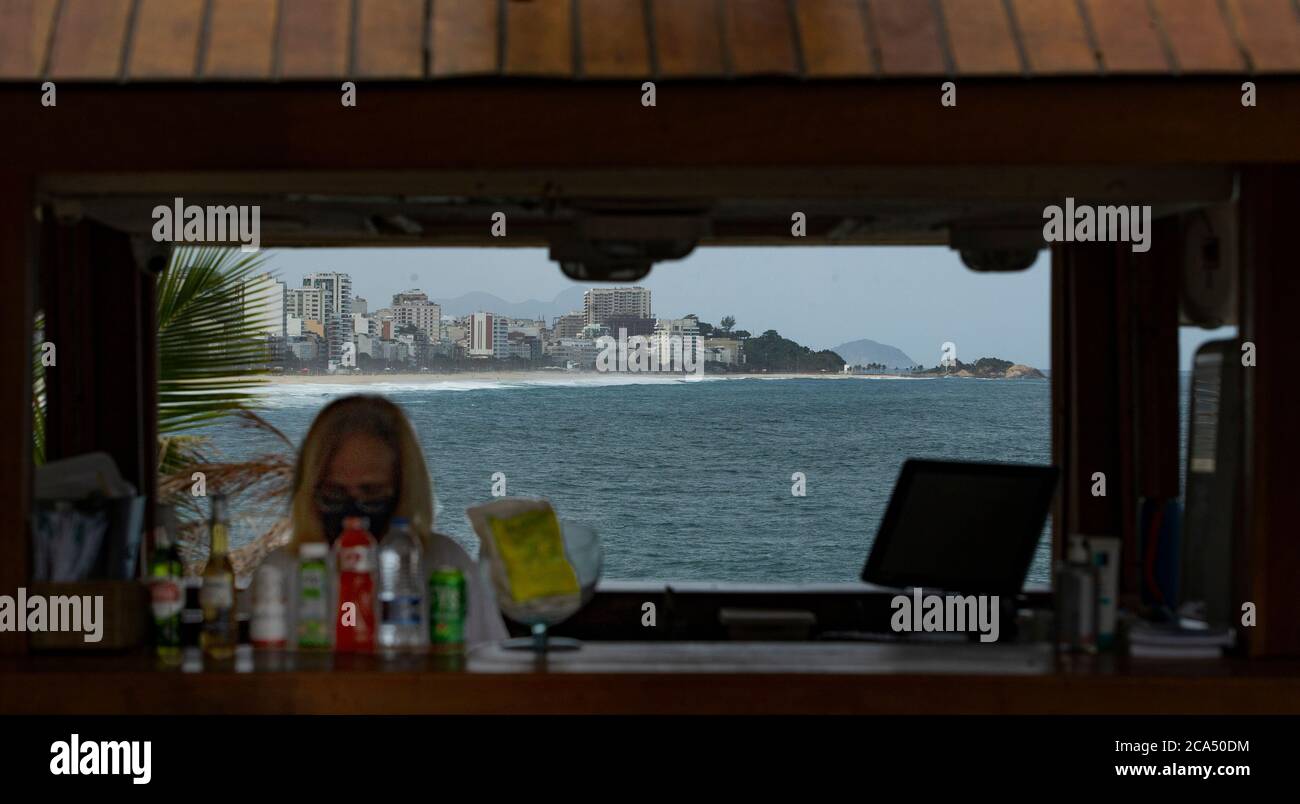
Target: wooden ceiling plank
[315, 38]
[1199, 36]
[1270, 32]
[614, 39]
[539, 38]
[760, 38]
[688, 39]
[833, 34]
[165, 43]
[1054, 37]
[909, 37]
[90, 40]
[1127, 36]
[981, 38]
[389, 39]
[241, 40]
[24, 37]
[465, 37]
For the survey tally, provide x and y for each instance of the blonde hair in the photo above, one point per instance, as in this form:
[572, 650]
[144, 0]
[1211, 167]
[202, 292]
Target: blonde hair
[376, 417]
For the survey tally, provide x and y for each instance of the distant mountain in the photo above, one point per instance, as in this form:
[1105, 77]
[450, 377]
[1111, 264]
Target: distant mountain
[565, 302]
[862, 352]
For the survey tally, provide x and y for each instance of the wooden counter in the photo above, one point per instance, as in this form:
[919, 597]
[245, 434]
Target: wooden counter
[661, 678]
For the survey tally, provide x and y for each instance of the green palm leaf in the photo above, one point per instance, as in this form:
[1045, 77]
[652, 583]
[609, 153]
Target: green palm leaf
[211, 322]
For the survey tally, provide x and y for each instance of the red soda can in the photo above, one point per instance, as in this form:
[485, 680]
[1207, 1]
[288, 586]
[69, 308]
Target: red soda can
[354, 623]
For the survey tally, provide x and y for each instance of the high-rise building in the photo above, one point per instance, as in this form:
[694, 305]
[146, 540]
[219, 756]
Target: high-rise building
[569, 325]
[527, 326]
[413, 308]
[601, 303]
[303, 302]
[264, 299]
[488, 335]
[677, 340]
[523, 347]
[359, 305]
[336, 291]
[579, 352]
[412, 296]
[630, 324]
[336, 309]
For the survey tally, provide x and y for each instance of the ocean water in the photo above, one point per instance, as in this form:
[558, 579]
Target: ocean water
[691, 479]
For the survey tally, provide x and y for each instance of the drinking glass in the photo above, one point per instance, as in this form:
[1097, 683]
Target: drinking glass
[582, 549]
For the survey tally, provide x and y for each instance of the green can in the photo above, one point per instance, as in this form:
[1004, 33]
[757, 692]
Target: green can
[448, 603]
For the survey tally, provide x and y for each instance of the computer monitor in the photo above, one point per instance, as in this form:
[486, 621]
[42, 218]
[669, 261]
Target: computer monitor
[961, 527]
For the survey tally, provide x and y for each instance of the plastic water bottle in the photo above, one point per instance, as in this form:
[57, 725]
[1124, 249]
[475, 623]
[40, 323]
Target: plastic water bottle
[269, 626]
[401, 587]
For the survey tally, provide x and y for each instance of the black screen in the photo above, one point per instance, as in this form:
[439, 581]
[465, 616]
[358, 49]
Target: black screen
[961, 527]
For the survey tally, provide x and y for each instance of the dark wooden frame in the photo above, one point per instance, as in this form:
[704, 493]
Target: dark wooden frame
[474, 125]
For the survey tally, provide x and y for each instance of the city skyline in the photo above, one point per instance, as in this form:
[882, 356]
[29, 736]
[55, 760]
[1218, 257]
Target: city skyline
[712, 284]
[912, 298]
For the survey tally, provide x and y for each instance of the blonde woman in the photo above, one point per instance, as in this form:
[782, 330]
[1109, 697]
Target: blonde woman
[361, 458]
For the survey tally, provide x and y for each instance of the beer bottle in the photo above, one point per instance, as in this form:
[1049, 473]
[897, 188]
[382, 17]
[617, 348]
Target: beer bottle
[218, 593]
[165, 590]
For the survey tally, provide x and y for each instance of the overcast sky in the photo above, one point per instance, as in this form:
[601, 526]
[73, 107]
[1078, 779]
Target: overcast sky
[914, 298]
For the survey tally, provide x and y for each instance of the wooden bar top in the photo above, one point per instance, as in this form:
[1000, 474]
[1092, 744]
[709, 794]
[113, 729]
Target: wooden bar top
[660, 678]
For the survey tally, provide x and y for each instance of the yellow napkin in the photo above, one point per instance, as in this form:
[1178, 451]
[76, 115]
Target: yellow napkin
[531, 548]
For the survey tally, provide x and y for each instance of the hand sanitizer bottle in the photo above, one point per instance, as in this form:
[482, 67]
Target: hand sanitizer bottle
[1076, 601]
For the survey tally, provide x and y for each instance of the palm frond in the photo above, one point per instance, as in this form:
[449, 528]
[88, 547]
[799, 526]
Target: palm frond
[252, 421]
[211, 345]
[262, 483]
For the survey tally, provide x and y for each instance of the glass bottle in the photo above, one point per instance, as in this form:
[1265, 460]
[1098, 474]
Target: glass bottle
[218, 593]
[165, 593]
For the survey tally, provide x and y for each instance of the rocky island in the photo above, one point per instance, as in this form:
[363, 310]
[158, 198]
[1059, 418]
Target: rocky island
[986, 368]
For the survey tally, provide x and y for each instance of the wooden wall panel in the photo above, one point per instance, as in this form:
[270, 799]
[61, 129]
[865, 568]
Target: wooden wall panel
[17, 266]
[1156, 276]
[1270, 204]
[803, 124]
[99, 312]
[1091, 423]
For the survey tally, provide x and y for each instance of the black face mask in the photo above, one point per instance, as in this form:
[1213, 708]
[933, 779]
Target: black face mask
[378, 512]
